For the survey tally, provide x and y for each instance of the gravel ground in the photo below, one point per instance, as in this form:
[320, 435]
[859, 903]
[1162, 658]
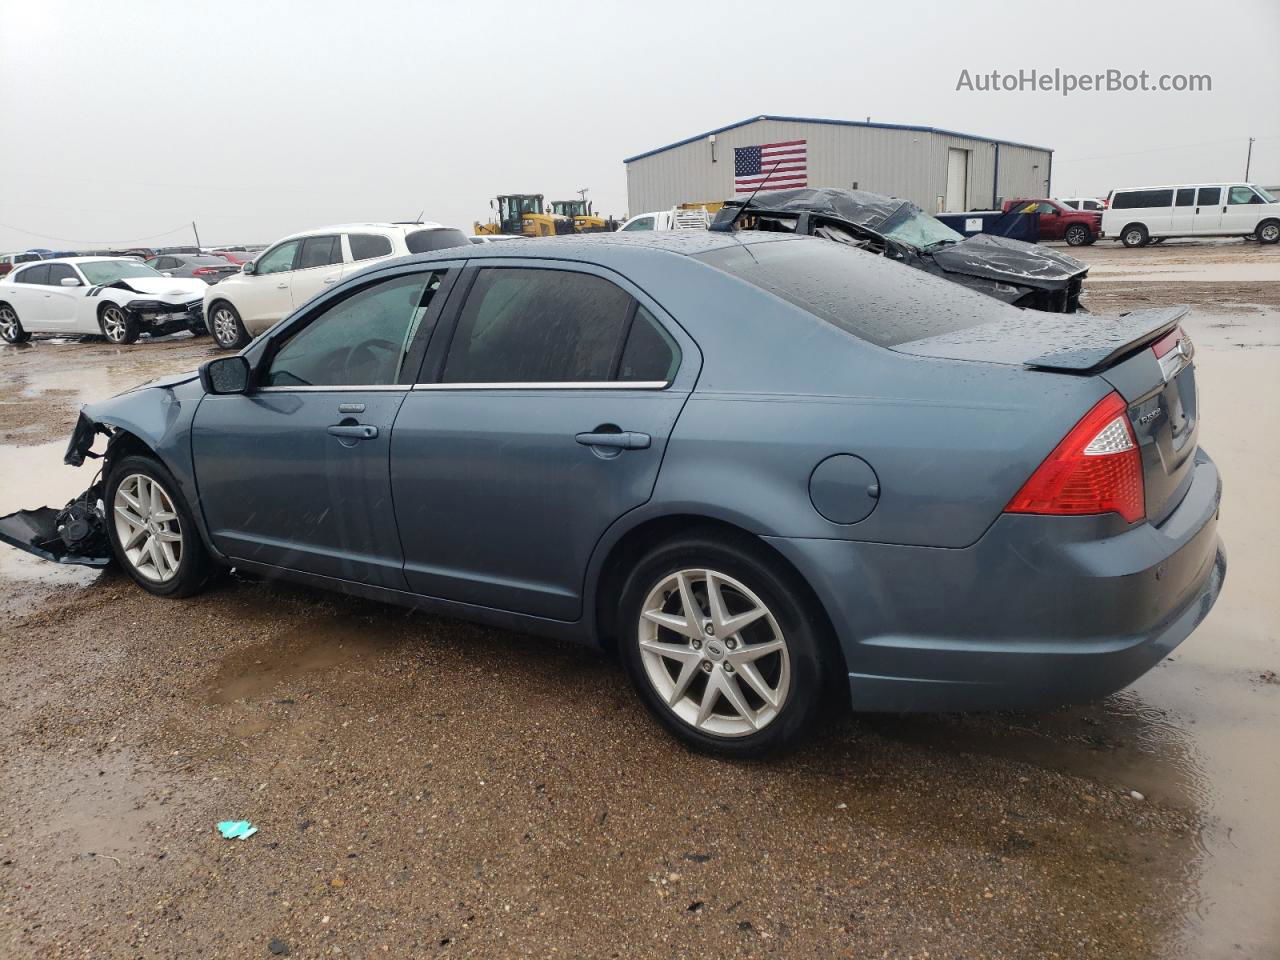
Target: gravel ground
[424, 787]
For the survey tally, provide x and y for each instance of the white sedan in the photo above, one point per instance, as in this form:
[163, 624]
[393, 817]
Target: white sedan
[117, 297]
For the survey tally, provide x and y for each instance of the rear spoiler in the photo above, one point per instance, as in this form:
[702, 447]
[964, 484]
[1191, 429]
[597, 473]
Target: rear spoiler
[1108, 341]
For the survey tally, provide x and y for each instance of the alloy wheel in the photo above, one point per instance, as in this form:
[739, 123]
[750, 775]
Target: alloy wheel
[8, 323]
[148, 527]
[114, 324]
[224, 327]
[714, 653]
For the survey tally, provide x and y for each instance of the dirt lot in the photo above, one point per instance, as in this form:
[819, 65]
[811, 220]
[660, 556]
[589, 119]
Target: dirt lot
[428, 788]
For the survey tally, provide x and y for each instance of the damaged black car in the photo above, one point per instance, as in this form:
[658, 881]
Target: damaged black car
[1022, 274]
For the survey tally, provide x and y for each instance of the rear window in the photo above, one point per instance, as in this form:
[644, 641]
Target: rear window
[366, 246]
[1137, 199]
[853, 290]
[425, 240]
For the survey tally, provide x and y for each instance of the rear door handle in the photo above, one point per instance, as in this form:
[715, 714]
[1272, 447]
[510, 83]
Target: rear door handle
[330, 279]
[282, 286]
[358, 431]
[627, 440]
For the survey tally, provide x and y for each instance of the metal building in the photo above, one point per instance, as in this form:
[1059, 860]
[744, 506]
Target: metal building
[939, 170]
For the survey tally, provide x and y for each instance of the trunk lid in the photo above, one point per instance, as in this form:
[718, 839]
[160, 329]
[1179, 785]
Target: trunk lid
[1144, 356]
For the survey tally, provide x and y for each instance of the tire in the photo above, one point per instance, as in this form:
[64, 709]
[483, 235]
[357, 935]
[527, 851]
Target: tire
[672, 670]
[1078, 235]
[117, 324]
[1135, 235]
[1268, 231]
[137, 517]
[227, 328]
[11, 329]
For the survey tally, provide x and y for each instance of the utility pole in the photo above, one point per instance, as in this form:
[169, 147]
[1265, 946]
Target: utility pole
[197, 233]
[1248, 160]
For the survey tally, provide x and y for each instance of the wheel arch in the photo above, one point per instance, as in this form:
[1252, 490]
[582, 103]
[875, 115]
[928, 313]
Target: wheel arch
[627, 546]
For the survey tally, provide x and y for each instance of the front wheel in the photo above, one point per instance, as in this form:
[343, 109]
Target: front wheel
[118, 326]
[722, 647]
[1269, 232]
[228, 329]
[1078, 236]
[11, 329]
[1135, 236]
[153, 534]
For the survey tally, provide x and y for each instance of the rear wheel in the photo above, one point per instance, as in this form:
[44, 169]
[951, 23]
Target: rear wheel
[228, 330]
[118, 326]
[721, 646]
[1135, 235]
[11, 329]
[1268, 231]
[1078, 235]
[153, 534]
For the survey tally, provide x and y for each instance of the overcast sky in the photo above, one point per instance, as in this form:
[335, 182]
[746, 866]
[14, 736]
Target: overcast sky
[120, 121]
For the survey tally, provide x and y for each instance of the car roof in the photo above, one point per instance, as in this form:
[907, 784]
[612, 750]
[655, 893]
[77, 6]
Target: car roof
[348, 227]
[607, 248]
[88, 259]
[1197, 183]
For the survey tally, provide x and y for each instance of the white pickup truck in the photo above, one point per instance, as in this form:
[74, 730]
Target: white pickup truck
[673, 219]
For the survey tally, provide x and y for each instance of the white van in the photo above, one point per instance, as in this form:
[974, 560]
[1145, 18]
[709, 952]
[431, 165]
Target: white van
[1137, 215]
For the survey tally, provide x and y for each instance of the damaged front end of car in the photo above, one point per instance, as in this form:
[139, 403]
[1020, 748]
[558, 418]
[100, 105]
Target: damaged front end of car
[151, 417]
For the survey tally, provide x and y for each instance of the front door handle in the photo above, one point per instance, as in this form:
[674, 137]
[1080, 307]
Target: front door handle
[282, 286]
[623, 440]
[330, 279]
[353, 431]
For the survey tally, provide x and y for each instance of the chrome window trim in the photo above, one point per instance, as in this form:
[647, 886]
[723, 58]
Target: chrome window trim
[343, 389]
[551, 385]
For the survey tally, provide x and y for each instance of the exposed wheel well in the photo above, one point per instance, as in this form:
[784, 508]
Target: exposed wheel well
[125, 444]
[639, 541]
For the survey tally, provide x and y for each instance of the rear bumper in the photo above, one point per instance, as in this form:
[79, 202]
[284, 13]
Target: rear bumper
[1040, 612]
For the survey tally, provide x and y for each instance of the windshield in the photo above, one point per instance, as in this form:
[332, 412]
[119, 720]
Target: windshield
[912, 226]
[100, 272]
[1265, 195]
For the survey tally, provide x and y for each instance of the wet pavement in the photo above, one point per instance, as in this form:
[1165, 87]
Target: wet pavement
[424, 787]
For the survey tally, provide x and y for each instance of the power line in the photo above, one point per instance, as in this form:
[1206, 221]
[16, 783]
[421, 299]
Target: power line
[47, 236]
[1134, 153]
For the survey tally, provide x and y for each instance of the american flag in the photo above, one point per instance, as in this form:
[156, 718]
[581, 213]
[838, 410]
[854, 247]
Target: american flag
[754, 166]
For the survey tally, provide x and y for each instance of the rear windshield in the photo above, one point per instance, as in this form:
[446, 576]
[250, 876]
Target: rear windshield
[423, 240]
[884, 303]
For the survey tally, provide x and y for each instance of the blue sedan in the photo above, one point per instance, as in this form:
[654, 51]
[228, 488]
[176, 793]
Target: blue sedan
[765, 469]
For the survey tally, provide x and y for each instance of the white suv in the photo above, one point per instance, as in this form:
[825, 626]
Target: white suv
[293, 270]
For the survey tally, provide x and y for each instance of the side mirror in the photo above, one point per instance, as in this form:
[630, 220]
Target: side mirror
[70, 282]
[225, 375]
[247, 268]
[166, 274]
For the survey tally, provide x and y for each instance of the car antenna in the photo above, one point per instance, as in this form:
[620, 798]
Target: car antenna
[718, 227]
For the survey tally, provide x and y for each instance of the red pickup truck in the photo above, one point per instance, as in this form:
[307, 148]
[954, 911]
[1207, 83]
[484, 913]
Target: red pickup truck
[1058, 222]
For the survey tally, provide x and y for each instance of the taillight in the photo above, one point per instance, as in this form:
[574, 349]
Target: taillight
[205, 271]
[1095, 469]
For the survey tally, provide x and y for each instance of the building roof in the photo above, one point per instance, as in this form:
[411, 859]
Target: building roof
[840, 123]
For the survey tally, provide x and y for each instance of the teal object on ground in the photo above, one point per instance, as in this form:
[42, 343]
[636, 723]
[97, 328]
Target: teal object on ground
[236, 829]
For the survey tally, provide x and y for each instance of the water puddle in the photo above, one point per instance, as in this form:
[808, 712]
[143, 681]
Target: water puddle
[285, 662]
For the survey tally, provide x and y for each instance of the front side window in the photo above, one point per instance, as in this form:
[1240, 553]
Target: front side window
[1243, 195]
[278, 259]
[319, 252]
[59, 272]
[641, 223]
[360, 341]
[102, 272]
[1209, 196]
[522, 325]
[366, 246]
